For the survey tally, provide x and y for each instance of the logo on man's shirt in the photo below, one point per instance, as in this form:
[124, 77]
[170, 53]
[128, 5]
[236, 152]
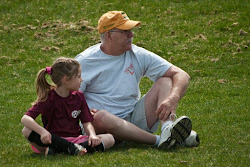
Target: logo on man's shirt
[130, 69]
[75, 113]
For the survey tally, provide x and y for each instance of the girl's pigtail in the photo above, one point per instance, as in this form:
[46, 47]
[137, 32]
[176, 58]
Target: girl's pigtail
[42, 86]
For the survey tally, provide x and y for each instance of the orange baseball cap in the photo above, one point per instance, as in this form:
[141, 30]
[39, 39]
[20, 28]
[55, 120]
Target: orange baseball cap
[115, 19]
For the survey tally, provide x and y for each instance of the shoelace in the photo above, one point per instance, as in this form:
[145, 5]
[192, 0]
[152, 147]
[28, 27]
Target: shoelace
[174, 117]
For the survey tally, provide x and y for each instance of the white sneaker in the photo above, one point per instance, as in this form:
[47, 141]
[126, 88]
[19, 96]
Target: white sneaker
[193, 140]
[77, 149]
[176, 132]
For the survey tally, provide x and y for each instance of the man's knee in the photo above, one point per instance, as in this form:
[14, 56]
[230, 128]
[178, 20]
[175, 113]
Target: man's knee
[100, 120]
[100, 116]
[106, 122]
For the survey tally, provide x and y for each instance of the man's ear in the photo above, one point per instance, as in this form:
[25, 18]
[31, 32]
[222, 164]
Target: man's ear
[107, 35]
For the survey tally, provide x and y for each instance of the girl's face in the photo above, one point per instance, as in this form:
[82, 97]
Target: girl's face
[75, 82]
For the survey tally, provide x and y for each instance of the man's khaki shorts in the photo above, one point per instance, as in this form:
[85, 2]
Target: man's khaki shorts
[138, 117]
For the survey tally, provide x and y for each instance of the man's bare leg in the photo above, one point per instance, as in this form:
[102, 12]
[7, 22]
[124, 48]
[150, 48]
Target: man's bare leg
[155, 96]
[157, 99]
[104, 122]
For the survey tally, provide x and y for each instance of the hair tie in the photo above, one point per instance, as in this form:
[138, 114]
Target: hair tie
[48, 70]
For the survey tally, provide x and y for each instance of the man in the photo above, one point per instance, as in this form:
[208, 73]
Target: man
[111, 74]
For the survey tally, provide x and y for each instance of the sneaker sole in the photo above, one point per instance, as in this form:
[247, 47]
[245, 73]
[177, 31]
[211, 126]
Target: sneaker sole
[181, 129]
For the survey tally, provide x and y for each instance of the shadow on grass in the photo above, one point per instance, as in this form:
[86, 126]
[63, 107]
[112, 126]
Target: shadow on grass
[124, 146]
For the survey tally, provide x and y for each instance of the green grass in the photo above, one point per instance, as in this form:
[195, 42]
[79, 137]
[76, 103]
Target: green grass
[207, 38]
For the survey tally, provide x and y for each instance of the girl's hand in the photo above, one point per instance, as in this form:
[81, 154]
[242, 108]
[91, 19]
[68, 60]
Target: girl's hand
[94, 140]
[46, 137]
[93, 111]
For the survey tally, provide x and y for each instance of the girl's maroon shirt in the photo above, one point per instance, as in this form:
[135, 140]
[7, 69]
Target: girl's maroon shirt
[60, 115]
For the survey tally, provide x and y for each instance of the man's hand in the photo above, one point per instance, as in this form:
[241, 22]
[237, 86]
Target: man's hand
[167, 107]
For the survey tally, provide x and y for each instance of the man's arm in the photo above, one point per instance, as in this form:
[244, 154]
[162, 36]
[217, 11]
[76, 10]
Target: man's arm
[180, 80]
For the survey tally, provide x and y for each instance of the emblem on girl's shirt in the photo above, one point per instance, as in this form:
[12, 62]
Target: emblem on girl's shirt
[75, 113]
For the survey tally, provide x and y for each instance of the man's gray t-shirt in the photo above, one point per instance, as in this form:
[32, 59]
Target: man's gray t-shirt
[112, 82]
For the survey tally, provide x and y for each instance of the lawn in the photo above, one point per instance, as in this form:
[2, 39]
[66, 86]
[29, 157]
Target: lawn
[207, 38]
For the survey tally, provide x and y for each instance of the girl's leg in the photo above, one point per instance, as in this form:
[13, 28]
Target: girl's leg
[59, 144]
[26, 133]
[107, 142]
[107, 139]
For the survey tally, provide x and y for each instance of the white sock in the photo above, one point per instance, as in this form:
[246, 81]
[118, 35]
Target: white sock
[157, 140]
[166, 124]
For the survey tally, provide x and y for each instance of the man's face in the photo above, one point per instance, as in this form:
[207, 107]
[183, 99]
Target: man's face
[121, 39]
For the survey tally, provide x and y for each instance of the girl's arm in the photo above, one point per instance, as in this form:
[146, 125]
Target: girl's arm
[93, 139]
[30, 123]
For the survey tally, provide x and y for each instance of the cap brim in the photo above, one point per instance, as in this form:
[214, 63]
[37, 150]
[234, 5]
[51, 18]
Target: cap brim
[129, 25]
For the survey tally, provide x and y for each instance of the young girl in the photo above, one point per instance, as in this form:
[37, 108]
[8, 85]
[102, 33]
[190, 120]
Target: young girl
[62, 107]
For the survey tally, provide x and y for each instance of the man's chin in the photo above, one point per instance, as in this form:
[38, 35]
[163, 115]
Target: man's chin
[129, 44]
[129, 47]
